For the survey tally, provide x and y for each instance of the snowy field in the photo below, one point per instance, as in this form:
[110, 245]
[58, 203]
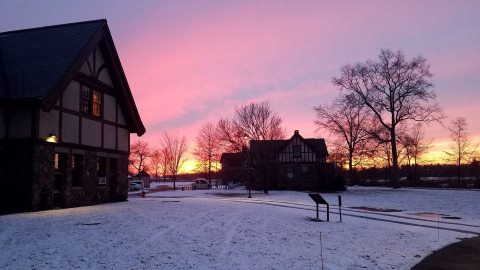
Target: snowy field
[222, 229]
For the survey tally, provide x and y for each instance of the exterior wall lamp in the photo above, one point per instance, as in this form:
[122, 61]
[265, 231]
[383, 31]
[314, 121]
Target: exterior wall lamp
[52, 138]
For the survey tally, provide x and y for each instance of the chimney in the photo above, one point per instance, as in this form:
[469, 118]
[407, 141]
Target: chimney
[296, 132]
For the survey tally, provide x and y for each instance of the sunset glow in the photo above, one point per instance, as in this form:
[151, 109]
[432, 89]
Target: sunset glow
[189, 63]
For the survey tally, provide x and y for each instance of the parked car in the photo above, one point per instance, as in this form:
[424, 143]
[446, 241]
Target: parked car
[140, 182]
[134, 187]
[201, 183]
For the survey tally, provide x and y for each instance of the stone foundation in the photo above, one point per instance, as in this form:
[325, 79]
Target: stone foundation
[27, 177]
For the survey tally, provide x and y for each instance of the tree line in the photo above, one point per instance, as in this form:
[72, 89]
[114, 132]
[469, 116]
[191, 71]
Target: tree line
[254, 121]
[377, 119]
[380, 115]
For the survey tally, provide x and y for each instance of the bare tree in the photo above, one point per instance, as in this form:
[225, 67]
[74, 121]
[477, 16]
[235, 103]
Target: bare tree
[346, 119]
[462, 150]
[175, 149]
[255, 121]
[230, 138]
[140, 152]
[396, 90]
[159, 162]
[207, 148]
[415, 145]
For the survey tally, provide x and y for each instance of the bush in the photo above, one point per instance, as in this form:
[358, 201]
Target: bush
[340, 183]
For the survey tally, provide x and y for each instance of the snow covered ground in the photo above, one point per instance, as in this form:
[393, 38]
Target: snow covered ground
[222, 229]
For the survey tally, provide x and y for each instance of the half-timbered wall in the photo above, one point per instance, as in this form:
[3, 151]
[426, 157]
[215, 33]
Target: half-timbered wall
[95, 67]
[67, 121]
[296, 151]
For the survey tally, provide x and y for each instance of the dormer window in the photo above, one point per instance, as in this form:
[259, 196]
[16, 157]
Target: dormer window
[91, 102]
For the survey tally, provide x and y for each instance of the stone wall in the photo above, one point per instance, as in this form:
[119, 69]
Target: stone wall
[27, 177]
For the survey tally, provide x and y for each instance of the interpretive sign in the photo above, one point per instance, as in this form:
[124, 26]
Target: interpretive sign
[319, 200]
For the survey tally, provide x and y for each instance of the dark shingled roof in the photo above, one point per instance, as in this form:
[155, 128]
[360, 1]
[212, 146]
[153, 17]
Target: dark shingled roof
[233, 159]
[37, 63]
[269, 148]
[33, 61]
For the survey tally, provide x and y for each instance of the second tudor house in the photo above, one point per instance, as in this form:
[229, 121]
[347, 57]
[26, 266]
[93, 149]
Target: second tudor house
[296, 163]
[66, 114]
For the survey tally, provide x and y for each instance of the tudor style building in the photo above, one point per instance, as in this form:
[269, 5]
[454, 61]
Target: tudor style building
[66, 114]
[296, 164]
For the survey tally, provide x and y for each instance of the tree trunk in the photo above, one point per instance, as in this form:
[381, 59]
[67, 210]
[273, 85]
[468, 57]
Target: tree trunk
[350, 166]
[395, 176]
[210, 172]
[174, 178]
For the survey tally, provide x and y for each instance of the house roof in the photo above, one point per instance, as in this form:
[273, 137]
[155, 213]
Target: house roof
[233, 159]
[38, 63]
[34, 60]
[269, 148]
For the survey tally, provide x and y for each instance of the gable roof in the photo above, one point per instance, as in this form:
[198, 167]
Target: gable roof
[39, 63]
[270, 148]
[233, 159]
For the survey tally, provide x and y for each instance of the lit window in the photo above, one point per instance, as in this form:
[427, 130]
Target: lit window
[96, 103]
[91, 102]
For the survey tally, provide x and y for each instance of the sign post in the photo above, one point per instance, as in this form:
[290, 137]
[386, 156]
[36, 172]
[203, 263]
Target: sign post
[340, 206]
[319, 200]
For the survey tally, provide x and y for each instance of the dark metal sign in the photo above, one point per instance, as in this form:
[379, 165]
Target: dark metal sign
[317, 198]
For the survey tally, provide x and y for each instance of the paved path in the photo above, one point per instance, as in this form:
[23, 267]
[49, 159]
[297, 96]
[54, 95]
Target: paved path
[372, 215]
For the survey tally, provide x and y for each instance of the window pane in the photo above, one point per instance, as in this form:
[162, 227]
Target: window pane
[96, 103]
[289, 172]
[85, 100]
[305, 171]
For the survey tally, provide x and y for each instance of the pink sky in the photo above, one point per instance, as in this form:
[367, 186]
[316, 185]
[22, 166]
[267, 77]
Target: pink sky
[189, 63]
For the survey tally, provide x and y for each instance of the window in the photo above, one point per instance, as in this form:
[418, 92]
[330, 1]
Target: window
[91, 102]
[96, 103]
[59, 162]
[297, 151]
[102, 170]
[305, 170]
[77, 168]
[290, 172]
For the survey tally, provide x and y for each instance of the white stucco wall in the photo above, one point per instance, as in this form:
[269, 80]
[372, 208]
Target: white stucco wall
[120, 119]
[71, 96]
[109, 136]
[48, 123]
[70, 127]
[109, 107]
[91, 132]
[123, 139]
[104, 76]
[84, 69]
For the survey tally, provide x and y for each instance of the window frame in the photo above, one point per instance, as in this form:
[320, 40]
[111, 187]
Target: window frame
[305, 174]
[91, 101]
[290, 172]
